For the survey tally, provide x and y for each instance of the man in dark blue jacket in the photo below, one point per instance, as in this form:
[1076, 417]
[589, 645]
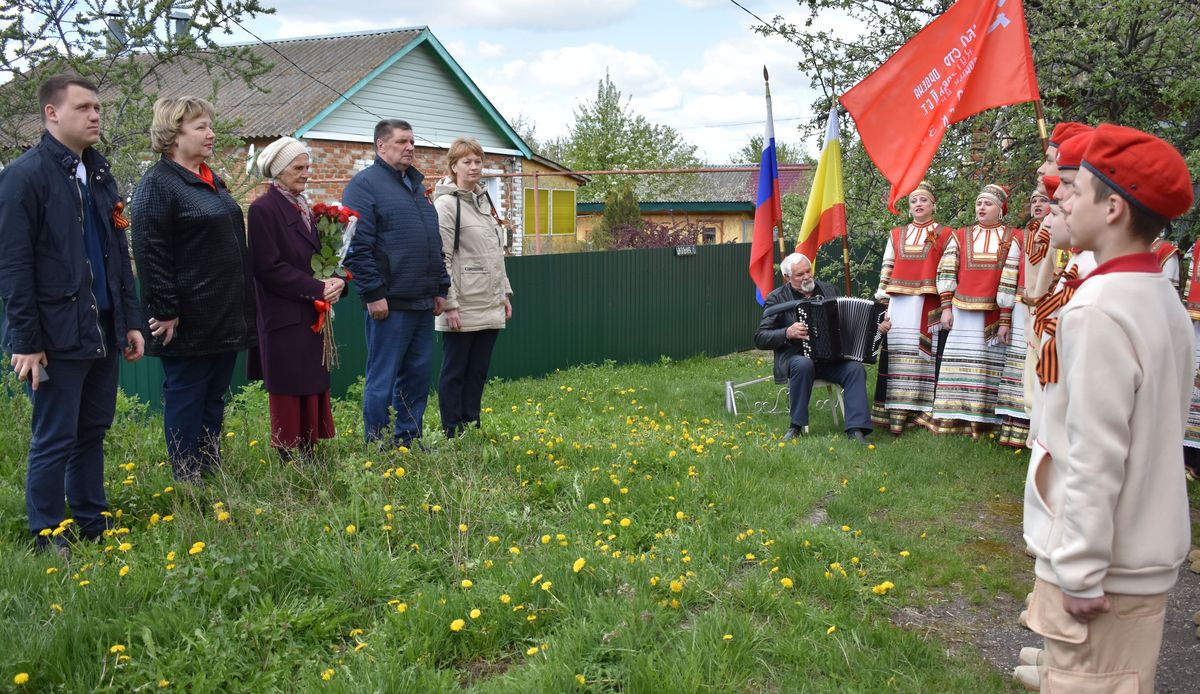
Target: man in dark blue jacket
[396, 260]
[69, 306]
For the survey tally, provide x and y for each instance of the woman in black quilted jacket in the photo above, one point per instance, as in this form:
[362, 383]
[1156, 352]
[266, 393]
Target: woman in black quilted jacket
[189, 243]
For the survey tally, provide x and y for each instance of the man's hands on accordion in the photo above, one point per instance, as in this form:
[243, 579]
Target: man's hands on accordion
[797, 331]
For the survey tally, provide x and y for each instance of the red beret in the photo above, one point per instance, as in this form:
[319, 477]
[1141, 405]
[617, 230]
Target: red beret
[1143, 169]
[1051, 183]
[1065, 131]
[1070, 152]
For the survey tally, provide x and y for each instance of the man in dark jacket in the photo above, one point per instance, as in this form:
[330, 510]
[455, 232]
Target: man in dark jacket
[396, 260]
[780, 331]
[69, 306]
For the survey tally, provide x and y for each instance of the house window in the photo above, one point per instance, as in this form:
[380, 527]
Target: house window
[709, 234]
[748, 231]
[556, 211]
[495, 189]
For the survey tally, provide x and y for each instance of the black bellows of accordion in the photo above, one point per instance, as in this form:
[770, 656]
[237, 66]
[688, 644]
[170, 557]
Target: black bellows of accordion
[841, 328]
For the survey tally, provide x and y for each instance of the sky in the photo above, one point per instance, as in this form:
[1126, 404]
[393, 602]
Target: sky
[695, 65]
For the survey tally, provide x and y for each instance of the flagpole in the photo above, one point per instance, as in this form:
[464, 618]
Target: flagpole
[1041, 122]
[782, 247]
[845, 236]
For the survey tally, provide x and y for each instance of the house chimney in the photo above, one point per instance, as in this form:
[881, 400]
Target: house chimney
[115, 37]
[178, 23]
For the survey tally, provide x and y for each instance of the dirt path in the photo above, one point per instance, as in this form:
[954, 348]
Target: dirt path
[994, 631]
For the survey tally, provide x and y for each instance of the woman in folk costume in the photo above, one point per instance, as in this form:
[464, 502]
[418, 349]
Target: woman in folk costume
[977, 315]
[1011, 407]
[1191, 433]
[908, 285]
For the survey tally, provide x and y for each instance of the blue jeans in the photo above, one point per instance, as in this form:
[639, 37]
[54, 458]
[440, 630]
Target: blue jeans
[466, 357]
[399, 350]
[72, 412]
[194, 391]
[851, 375]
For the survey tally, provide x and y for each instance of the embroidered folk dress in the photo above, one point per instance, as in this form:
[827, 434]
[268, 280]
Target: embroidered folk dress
[908, 283]
[1010, 396]
[1191, 433]
[968, 279]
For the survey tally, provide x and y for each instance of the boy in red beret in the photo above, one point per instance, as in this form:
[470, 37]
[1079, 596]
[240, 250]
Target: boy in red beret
[1106, 508]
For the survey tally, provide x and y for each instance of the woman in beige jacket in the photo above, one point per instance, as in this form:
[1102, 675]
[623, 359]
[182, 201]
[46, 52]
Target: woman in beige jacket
[479, 302]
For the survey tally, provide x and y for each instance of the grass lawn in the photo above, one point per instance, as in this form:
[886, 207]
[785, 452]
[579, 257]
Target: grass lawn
[610, 528]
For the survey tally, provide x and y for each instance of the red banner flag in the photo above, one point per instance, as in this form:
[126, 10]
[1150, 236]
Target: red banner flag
[974, 57]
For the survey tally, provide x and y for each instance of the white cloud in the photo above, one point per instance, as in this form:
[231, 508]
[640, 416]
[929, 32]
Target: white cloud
[487, 49]
[313, 17]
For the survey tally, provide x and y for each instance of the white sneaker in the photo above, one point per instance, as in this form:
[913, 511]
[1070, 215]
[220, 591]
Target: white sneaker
[1031, 656]
[1027, 676]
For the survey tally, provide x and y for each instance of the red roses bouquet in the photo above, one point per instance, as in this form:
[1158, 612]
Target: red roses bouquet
[334, 226]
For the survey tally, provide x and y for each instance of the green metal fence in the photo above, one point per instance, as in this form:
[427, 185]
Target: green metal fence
[578, 308]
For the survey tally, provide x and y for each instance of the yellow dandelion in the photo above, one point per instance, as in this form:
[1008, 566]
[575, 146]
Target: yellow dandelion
[457, 625]
[534, 581]
[547, 585]
[402, 607]
[531, 618]
[51, 569]
[197, 548]
[578, 565]
[462, 527]
[125, 546]
[116, 648]
[124, 571]
[20, 678]
[351, 529]
[786, 582]
[359, 646]
[475, 613]
[831, 629]
[625, 522]
[505, 599]
[467, 583]
[355, 632]
[399, 472]
[580, 680]
[727, 637]
[514, 550]
[327, 674]
[163, 684]
[171, 556]
[223, 516]
[84, 583]
[533, 650]
[904, 553]
[56, 607]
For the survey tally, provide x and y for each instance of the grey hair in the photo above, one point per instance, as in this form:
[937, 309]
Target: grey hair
[789, 262]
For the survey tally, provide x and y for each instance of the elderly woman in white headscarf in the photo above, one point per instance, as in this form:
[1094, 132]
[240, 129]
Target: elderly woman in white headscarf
[283, 240]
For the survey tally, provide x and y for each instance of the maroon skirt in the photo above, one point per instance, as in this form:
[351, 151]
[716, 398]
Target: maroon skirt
[300, 419]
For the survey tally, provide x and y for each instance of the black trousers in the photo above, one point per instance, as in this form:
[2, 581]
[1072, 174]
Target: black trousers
[466, 357]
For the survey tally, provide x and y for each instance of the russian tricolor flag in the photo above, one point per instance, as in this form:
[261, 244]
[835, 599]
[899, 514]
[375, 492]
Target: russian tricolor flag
[768, 213]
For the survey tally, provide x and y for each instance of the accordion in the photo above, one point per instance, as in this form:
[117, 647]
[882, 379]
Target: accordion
[841, 328]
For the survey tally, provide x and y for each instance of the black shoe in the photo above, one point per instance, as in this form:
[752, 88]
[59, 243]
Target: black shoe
[794, 432]
[857, 436]
[56, 544]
